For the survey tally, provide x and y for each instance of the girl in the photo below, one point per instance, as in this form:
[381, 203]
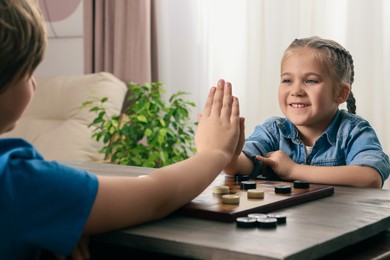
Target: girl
[316, 141]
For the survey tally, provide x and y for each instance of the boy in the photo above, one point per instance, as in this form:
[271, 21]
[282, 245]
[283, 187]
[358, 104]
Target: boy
[46, 205]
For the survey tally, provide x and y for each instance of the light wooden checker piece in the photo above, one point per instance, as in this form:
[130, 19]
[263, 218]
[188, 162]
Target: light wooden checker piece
[209, 205]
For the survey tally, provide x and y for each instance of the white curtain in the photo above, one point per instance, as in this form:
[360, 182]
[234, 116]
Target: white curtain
[242, 41]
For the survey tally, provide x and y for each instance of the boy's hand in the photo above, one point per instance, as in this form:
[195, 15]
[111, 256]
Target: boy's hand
[280, 163]
[219, 125]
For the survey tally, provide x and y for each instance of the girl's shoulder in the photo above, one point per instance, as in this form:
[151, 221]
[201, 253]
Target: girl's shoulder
[348, 124]
[352, 120]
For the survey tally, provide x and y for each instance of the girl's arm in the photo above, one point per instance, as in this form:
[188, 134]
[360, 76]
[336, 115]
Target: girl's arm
[240, 165]
[350, 175]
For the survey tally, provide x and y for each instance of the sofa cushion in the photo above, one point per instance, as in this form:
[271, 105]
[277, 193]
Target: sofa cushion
[54, 122]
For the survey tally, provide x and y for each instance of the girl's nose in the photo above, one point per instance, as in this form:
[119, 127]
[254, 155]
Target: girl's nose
[297, 89]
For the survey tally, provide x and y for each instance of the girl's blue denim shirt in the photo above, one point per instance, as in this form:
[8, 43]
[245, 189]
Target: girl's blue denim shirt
[349, 140]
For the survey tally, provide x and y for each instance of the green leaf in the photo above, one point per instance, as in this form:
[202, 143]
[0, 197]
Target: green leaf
[97, 120]
[142, 118]
[147, 132]
[161, 135]
[162, 122]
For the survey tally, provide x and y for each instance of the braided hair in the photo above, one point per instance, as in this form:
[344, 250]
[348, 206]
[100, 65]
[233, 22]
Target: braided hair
[339, 59]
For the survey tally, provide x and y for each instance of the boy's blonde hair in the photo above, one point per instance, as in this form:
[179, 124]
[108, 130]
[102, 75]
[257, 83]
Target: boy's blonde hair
[336, 57]
[22, 40]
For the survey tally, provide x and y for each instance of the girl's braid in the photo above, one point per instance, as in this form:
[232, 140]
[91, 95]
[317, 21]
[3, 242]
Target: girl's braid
[344, 67]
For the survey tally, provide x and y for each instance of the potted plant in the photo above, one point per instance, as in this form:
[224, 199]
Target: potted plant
[151, 132]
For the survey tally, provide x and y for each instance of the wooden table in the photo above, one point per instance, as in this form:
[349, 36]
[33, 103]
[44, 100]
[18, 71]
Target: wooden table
[354, 223]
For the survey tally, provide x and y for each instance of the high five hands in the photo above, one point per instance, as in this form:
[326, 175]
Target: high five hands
[220, 127]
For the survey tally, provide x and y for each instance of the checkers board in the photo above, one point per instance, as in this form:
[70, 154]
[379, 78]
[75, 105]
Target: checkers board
[209, 206]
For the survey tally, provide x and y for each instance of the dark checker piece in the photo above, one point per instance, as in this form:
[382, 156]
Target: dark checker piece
[245, 222]
[246, 185]
[240, 178]
[301, 184]
[279, 217]
[284, 189]
[267, 222]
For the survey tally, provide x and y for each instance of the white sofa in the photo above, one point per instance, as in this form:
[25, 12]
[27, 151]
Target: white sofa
[54, 123]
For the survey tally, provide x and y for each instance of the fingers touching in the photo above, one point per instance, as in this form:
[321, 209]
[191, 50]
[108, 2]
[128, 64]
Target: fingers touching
[219, 124]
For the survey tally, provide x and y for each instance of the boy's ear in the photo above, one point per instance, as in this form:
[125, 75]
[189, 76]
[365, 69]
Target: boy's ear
[343, 93]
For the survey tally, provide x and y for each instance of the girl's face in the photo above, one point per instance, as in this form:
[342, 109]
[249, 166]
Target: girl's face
[13, 102]
[307, 92]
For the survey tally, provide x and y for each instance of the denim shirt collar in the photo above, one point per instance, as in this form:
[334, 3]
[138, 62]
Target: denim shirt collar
[290, 131]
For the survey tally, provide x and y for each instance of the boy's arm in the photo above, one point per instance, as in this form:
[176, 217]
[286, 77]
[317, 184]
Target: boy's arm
[124, 201]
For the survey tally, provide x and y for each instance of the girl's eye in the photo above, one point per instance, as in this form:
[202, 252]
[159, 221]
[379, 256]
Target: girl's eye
[286, 81]
[311, 81]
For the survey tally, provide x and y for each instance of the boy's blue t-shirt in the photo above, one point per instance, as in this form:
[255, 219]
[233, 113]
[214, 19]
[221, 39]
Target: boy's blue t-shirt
[43, 205]
[349, 140]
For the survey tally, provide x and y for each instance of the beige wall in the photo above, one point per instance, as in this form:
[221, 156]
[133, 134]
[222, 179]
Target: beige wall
[64, 53]
[64, 56]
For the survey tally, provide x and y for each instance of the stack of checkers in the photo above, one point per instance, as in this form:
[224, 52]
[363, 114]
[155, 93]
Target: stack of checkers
[227, 198]
[260, 220]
